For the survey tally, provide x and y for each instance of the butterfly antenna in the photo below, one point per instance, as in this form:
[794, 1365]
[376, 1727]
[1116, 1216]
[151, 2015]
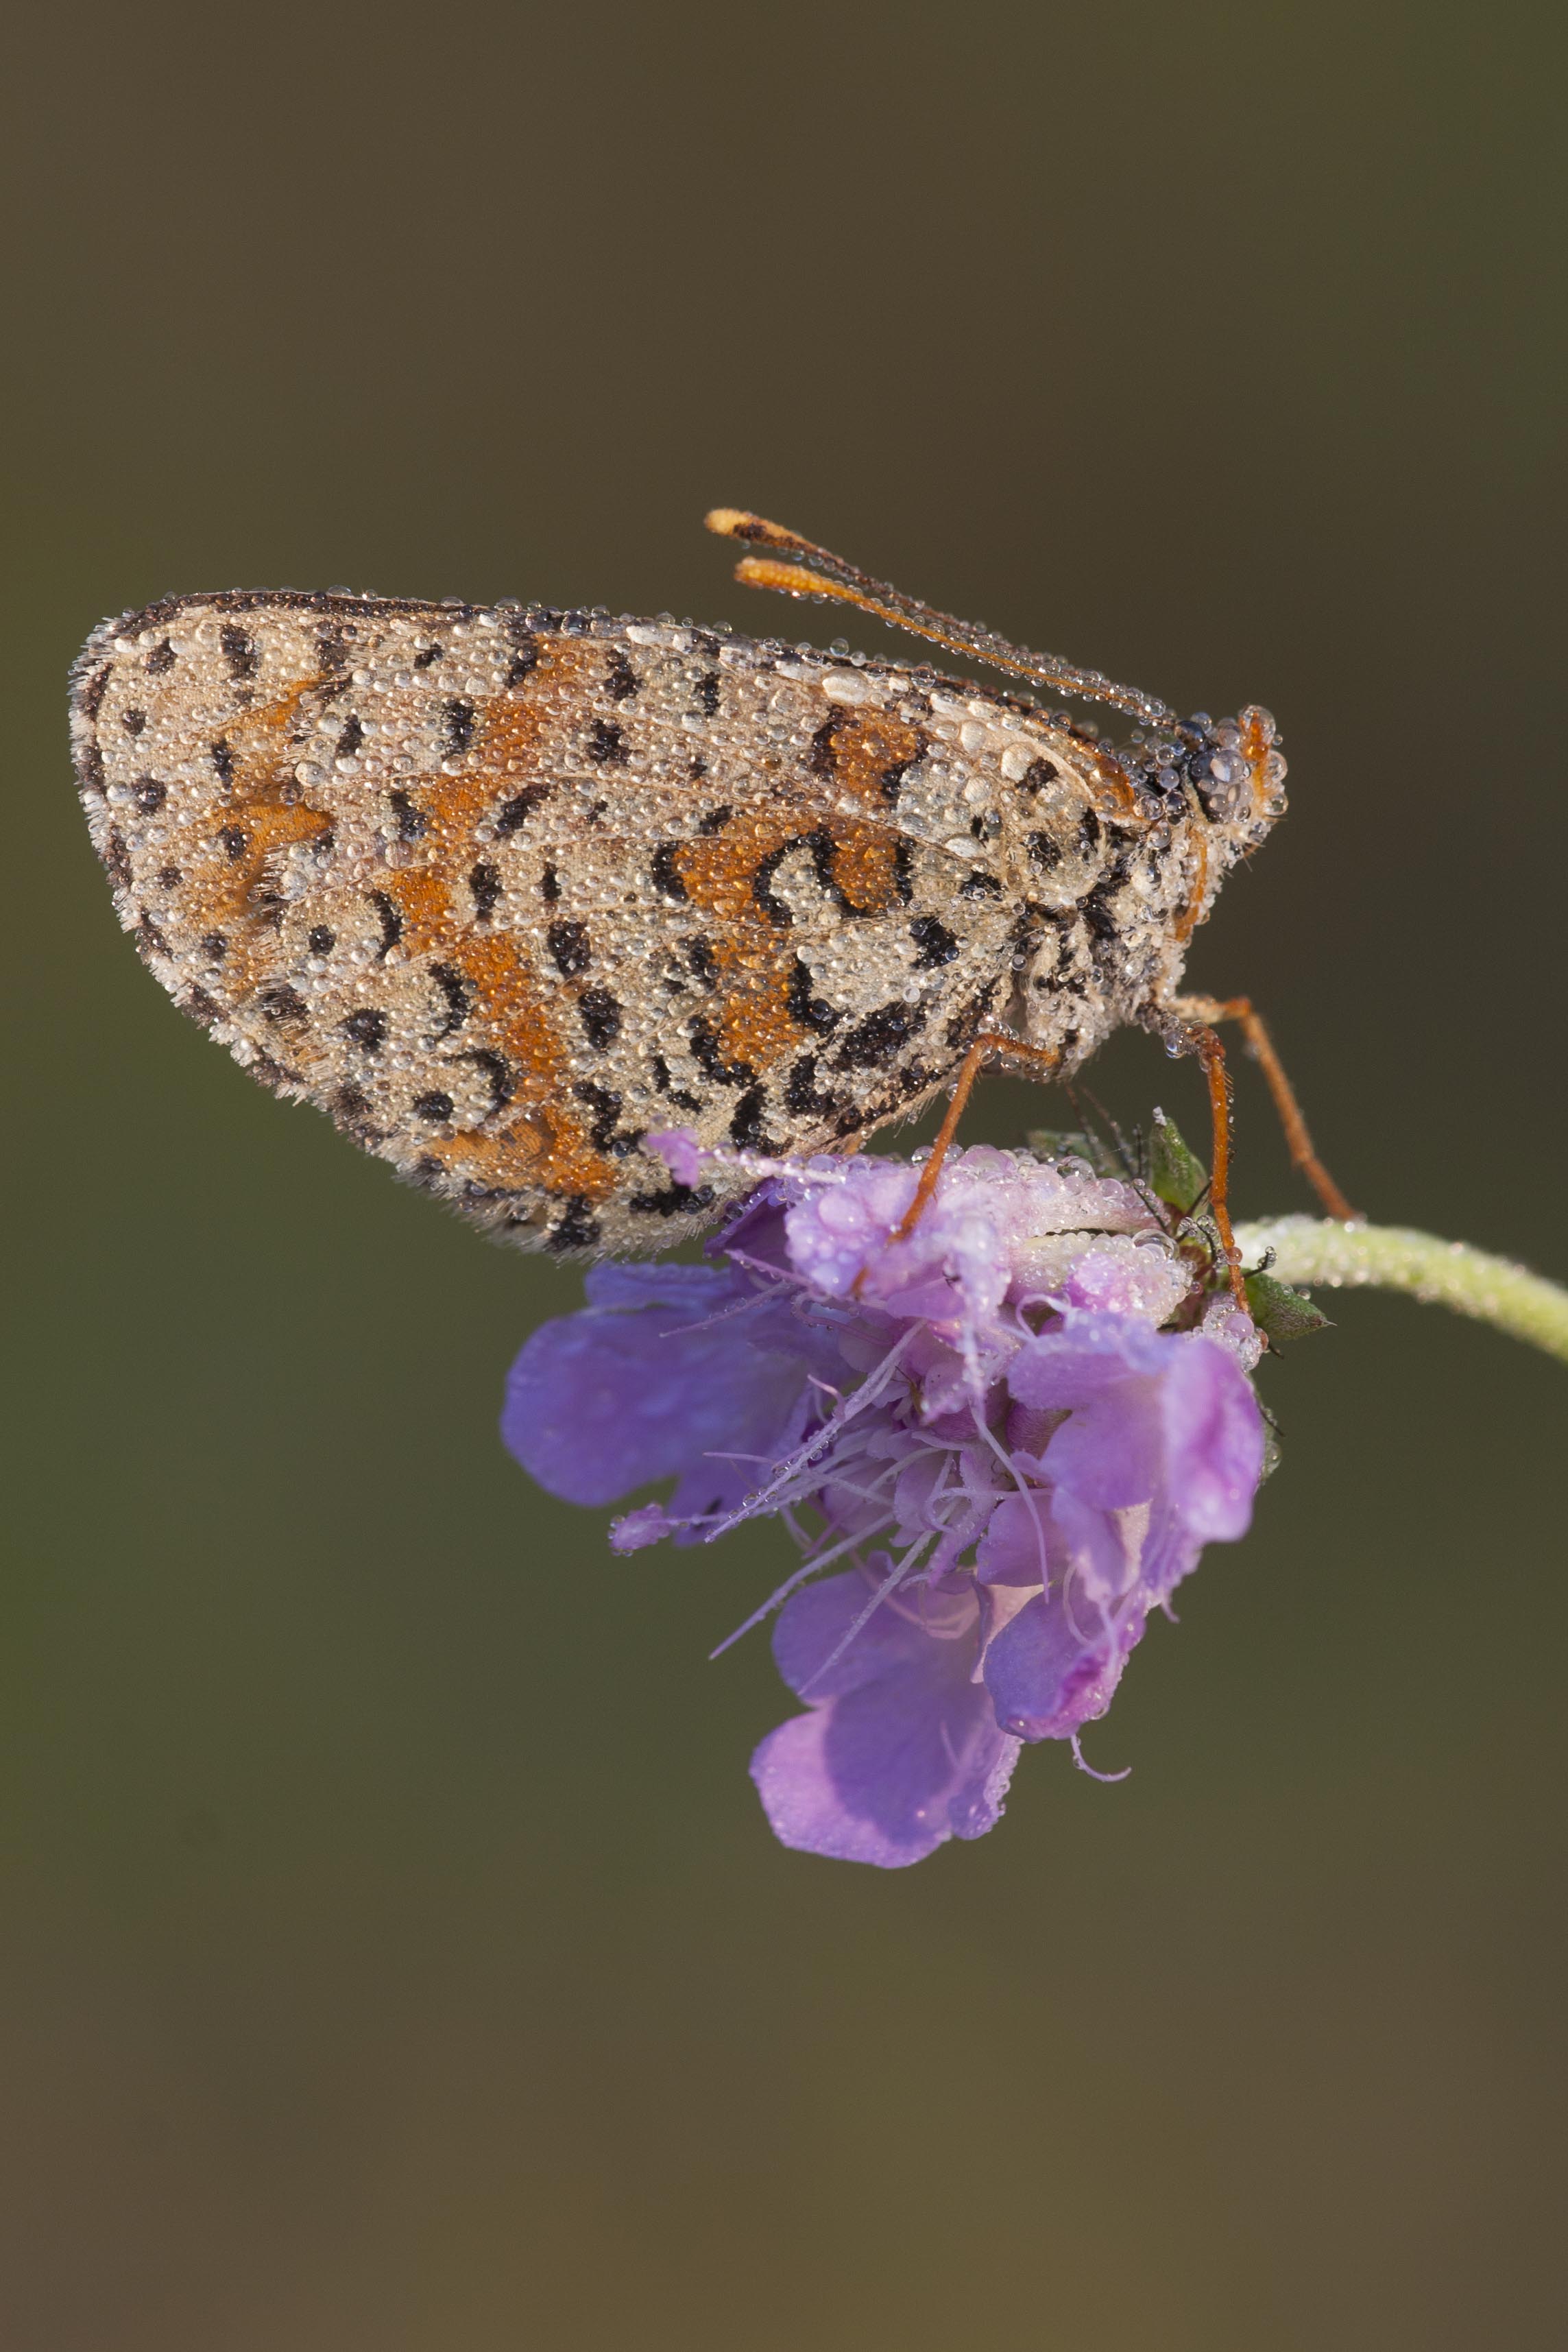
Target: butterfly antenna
[819, 573]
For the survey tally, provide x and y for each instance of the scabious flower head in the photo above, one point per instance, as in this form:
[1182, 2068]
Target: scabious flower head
[999, 1443]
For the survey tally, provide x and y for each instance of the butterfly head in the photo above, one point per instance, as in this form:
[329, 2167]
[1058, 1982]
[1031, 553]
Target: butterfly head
[1226, 774]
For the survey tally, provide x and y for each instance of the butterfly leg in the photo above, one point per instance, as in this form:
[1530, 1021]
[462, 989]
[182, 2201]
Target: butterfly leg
[986, 1043]
[1204, 1010]
[1197, 1037]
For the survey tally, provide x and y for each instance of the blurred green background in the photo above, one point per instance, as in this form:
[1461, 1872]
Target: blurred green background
[392, 1955]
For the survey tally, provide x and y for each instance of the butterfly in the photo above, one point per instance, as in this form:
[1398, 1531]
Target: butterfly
[512, 892]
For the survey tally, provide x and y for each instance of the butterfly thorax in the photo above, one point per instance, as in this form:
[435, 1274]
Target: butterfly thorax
[1128, 875]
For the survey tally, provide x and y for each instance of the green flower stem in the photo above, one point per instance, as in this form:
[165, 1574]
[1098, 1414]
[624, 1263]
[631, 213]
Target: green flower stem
[1389, 1257]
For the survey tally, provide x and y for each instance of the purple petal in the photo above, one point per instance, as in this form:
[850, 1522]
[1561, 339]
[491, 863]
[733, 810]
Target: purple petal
[1082, 1357]
[900, 1750]
[642, 1384]
[1102, 1546]
[813, 1624]
[1110, 1453]
[1150, 1413]
[1214, 1441]
[681, 1152]
[1016, 1548]
[1055, 1664]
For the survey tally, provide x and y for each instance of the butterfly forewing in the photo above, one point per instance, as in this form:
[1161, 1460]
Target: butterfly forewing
[508, 891]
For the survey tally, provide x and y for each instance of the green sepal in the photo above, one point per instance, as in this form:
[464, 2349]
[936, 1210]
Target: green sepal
[1176, 1175]
[1281, 1313]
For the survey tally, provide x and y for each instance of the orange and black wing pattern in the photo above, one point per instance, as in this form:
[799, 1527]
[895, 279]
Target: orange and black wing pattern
[506, 891]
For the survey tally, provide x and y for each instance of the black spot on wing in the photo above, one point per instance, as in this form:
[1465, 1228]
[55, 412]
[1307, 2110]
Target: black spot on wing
[350, 737]
[605, 1105]
[458, 717]
[607, 744]
[601, 1016]
[621, 681]
[664, 874]
[150, 794]
[412, 824]
[515, 814]
[485, 882]
[802, 1096]
[525, 661]
[813, 1012]
[576, 1228]
[367, 1027]
[427, 655]
[936, 942]
[321, 939]
[880, 1036]
[222, 760]
[823, 757]
[272, 1075]
[570, 948]
[677, 1094]
[704, 1042]
[500, 1073]
[239, 651]
[390, 921]
[715, 819]
[762, 880]
[133, 721]
[279, 1001]
[674, 1200]
[607, 1133]
[704, 963]
[161, 658]
[745, 1124]
[458, 996]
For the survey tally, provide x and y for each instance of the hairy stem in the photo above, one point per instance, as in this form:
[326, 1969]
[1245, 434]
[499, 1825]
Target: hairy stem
[1390, 1258]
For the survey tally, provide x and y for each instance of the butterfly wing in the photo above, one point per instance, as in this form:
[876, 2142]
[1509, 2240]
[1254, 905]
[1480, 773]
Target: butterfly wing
[506, 891]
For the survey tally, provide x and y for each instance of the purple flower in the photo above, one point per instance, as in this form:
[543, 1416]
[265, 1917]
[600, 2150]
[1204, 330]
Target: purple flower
[901, 1748]
[669, 1371]
[1008, 1435]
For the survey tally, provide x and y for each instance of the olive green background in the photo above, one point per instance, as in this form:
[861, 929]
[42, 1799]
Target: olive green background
[392, 1955]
